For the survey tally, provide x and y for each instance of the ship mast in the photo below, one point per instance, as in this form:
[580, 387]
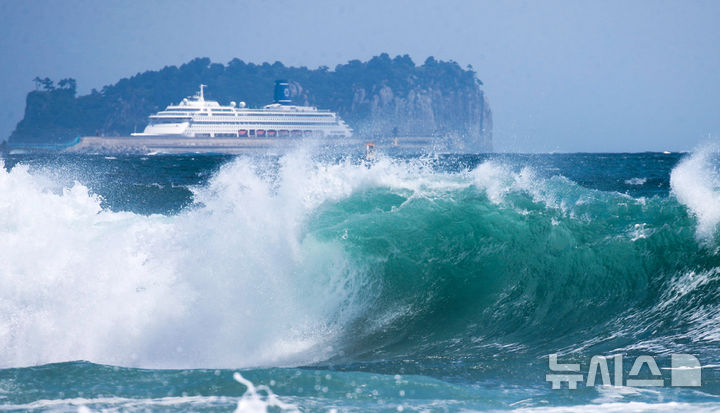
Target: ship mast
[202, 94]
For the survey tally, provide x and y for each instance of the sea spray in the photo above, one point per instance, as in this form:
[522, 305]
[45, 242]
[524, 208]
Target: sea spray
[301, 259]
[77, 281]
[696, 184]
[223, 282]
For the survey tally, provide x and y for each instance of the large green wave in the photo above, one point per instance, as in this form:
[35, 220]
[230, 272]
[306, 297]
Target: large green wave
[533, 265]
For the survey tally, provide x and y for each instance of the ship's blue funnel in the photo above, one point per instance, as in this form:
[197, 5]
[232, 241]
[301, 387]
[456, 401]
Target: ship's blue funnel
[282, 92]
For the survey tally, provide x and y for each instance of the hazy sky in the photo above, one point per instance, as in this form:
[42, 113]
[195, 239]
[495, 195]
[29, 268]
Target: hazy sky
[560, 75]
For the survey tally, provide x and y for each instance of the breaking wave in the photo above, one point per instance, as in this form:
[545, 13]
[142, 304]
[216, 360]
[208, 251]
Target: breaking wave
[301, 260]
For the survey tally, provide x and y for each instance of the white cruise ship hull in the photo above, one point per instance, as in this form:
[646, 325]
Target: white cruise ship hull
[177, 144]
[196, 117]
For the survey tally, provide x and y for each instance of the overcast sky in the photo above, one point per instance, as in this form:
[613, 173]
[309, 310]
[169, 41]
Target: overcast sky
[560, 75]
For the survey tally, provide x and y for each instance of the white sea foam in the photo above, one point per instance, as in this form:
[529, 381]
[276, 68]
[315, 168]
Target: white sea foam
[499, 180]
[256, 399]
[259, 399]
[122, 404]
[232, 281]
[638, 407]
[636, 181]
[695, 182]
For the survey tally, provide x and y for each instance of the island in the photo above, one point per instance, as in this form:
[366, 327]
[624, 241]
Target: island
[382, 98]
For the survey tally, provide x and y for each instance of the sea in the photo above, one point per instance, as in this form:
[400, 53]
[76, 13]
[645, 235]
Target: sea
[320, 282]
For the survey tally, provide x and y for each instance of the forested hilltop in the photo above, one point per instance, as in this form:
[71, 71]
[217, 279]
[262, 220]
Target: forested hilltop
[380, 97]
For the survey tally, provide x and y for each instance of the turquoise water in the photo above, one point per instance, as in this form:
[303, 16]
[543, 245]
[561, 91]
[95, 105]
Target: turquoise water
[408, 283]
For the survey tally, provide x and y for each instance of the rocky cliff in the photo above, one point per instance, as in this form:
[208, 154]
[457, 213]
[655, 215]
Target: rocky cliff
[382, 97]
[462, 117]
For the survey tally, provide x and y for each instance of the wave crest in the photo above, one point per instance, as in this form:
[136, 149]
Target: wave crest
[297, 260]
[695, 182]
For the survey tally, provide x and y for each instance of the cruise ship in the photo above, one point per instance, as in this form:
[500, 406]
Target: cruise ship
[196, 117]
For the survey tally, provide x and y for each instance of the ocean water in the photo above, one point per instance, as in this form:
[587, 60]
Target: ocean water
[328, 283]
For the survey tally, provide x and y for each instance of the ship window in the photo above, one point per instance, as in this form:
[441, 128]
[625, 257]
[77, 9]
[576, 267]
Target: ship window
[265, 122]
[272, 122]
[168, 120]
